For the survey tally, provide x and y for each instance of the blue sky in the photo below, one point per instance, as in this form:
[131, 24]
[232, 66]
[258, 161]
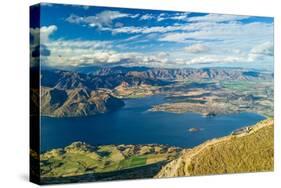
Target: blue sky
[85, 36]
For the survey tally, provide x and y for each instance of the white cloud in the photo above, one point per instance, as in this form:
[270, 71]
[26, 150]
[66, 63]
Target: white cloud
[203, 30]
[224, 31]
[119, 24]
[100, 20]
[261, 51]
[76, 57]
[106, 17]
[178, 16]
[266, 48]
[161, 17]
[163, 54]
[40, 36]
[134, 15]
[43, 33]
[217, 18]
[197, 23]
[223, 41]
[147, 17]
[104, 20]
[165, 16]
[132, 38]
[146, 30]
[216, 59]
[77, 52]
[79, 44]
[46, 31]
[174, 37]
[196, 48]
[73, 18]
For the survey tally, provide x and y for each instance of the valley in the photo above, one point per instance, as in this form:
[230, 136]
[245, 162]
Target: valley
[125, 93]
[249, 151]
[219, 97]
[205, 104]
[206, 91]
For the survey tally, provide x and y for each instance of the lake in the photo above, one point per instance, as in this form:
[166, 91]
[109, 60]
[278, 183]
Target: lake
[133, 124]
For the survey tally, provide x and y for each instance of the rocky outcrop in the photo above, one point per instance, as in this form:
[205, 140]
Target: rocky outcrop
[73, 94]
[77, 102]
[71, 80]
[188, 73]
[113, 77]
[250, 151]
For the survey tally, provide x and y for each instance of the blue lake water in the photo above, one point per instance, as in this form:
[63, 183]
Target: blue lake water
[133, 124]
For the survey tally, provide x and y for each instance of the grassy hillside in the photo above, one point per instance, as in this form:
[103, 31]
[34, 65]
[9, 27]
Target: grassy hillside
[80, 158]
[246, 152]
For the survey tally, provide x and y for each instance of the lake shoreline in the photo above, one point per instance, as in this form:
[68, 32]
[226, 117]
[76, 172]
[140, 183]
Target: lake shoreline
[155, 168]
[120, 126]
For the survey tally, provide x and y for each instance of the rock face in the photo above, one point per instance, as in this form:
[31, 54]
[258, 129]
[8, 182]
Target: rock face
[77, 102]
[73, 94]
[248, 152]
[113, 77]
[187, 73]
[72, 80]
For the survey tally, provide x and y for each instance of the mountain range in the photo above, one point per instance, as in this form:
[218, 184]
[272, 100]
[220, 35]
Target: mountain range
[73, 94]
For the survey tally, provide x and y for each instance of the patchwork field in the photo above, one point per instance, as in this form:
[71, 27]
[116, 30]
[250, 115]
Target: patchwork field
[80, 158]
[219, 97]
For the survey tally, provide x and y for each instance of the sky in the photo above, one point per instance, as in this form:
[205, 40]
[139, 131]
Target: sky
[73, 36]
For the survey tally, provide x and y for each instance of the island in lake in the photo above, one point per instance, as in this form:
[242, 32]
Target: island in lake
[133, 99]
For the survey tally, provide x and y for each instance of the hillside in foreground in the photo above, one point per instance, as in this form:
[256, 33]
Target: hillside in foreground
[245, 151]
[249, 149]
[81, 162]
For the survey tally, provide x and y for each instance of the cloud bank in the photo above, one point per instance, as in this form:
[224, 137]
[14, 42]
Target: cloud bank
[148, 38]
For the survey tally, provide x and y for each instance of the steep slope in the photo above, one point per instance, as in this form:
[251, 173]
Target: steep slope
[72, 94]
[77, 102]
[113, 77]
[71, 80]
[183, 73]
[187, 73]
[244, 151]
[69, 94]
